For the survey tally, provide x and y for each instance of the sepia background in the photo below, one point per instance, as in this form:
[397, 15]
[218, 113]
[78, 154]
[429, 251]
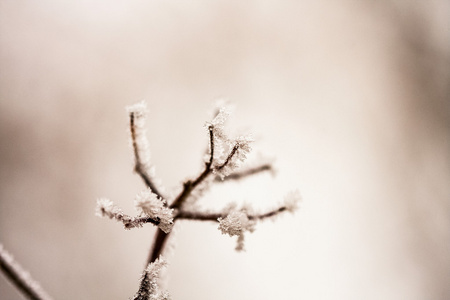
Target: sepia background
[350, 97]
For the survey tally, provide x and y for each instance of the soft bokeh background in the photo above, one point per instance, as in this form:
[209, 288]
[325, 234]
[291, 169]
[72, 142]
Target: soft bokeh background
[351, 97]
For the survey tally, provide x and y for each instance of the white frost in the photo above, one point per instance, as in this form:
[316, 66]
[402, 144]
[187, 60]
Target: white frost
[148, 203]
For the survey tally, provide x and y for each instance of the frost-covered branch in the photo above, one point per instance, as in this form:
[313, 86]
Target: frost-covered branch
[235, 222]
[139, 142]
[151, 208]
[210, 216]
[290, 204]
[236, 156]
[224, 157]
[21, 278]
[148, 286]
[106, 208]
[189, 185]
[245, 173]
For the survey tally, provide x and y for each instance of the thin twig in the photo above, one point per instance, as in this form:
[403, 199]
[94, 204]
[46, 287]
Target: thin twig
[268, 214]
[245, 173]
[139, 167]
[21, 278]
[189, 185]
[229, 157]
[106, 208]
[201, 216]
[211, 146]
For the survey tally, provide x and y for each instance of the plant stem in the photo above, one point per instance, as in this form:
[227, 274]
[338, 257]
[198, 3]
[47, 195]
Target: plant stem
[158, 246]
[138, 167]
[21, 278]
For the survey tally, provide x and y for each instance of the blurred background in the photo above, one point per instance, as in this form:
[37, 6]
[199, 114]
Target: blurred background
[350, 97]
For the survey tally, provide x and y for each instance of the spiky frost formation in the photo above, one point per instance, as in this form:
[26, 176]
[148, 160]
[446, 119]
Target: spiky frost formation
[106, 208]
[235, 224]
[220, 140]
[218, 123]
[21, 278]
[139, 143]
[262, 164]
[148, 204]
[225, 155]
[240, 147]
[238, 221]
[139, 113]
[139, 109]
[229, 154]
[149, 288]
[292, 200]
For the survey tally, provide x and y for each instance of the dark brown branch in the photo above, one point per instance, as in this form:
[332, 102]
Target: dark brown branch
[245, 173]
[161, 237]
[128, 221]
[186, 215]
[201, 216]
[188, 187]
[135, 222]
[139, 167]
[158, 246]
[211, 146]
[268, 214]
[144, 288]
[230, 156]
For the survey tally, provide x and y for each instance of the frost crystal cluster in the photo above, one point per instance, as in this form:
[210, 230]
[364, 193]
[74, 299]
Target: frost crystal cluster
[149, 288]
[150, 205]
[223, 162]
[235, 224]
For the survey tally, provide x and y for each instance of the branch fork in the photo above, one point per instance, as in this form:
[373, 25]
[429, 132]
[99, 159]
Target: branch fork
[220, 165]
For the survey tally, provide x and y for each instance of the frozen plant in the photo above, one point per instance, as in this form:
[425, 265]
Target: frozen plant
[20, 277]
[222, 163]
[148, 288]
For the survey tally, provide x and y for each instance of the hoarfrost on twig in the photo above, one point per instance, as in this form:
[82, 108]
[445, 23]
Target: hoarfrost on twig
[224, 158]
[21, 278]
[148, 287]
[149, 204]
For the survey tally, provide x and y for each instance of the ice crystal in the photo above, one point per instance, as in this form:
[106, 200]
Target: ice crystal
[236, 224]
[220, 140]
[149, 288]
[218, 123]
[106, 208]
[139, 109]
[138, 114]
[240, 147]
[292, 200]
[149, 204]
